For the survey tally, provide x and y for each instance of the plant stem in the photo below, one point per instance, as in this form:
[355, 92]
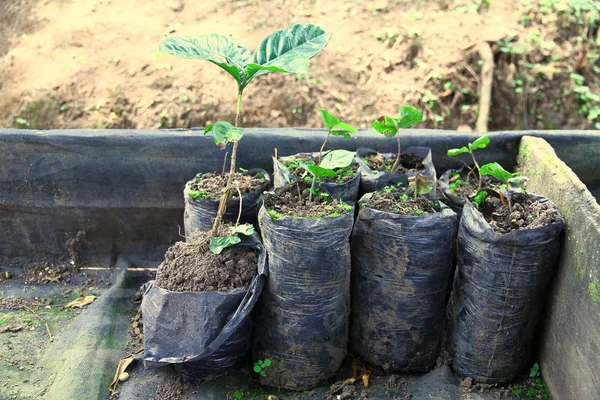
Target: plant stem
[478, 169]
[227, 191]
[322, 147]
[312, 187]
[398, 156]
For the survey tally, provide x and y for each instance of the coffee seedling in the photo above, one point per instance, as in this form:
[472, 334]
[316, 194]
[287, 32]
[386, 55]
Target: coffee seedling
[479, 143]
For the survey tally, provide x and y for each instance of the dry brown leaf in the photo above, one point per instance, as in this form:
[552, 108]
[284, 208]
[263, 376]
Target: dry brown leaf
[350, 381]
[365, 379]
[81, 302]
[120, 373]
[11, 328]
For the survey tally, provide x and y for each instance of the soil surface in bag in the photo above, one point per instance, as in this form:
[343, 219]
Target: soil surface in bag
[456, 184]
[202, 195]
[375, 168]
[344, 187]
[303, 314]
[402, 254]
[206, 332]
[500, 284]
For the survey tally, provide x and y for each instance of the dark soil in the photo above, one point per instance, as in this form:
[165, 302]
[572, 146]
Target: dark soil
[211, 185]
[343, 174]
[408, 163]
[292, 201]
[463, 186]
[527, 213]
[401, 201]
[191, 266]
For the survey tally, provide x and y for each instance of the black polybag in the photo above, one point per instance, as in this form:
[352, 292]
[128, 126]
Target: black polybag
[400, 270]
[347, 191]
[303, 314]
[370, 180]
[199, 214]
[454, 202]
[206, 333]
[498, 294]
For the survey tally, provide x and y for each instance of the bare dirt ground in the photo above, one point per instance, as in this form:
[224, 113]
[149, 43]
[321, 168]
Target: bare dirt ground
[95, 63]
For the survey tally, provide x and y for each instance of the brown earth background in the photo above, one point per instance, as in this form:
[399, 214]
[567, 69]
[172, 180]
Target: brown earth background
[95, 63]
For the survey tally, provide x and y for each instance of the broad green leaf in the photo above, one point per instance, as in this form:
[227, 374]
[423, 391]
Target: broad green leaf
[480, 143]
[456, 152]
[257, 368]
[386, 125]
[224, 132]
[319, 172]
[244, 229]
[288, 49]
[480, 198]
[409, 117]
[267, 362]
[218, 244]
[346, 127]
[329, 120]
[221, 50]
[337, 159]
[496, 170]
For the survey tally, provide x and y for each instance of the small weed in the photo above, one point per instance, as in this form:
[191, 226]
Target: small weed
[4, 321]
[261, 366]
[274, 214]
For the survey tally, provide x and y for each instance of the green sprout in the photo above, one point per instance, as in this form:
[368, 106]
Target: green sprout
[287, 50]
[479, 143]
[480, 198]
[332, 160]
[261, 365]
[388, 126]
[421, 184]
[334, 127]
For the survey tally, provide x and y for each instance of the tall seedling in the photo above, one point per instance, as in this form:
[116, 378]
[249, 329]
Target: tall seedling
[286, 50]
[479, 143]
[388, 126]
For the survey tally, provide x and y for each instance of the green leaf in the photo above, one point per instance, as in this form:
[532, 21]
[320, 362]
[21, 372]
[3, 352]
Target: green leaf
[329, 120]
[386, 125]
[337, 159]
[267, 362]
[456, 152]
[288, 50]
[496, 170]
[221, 50]
[480, 197]
[224, 132]
[319, 172]
[238, 395]
[218, 244]
[480, 143]
[409, 117]
[244, 229]
[257, 368]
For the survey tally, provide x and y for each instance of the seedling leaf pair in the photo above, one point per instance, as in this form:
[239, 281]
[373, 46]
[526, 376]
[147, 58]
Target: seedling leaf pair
[223, 133]
[335, 126]
[285, 50]
[218, 244]
[407, 118]
[479, 143]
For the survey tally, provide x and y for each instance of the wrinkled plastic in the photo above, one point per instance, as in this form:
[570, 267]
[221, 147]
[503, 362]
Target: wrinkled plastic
[347, 191]
[498, 295]
[400, 270]
[206, 333]
[370, 180]
[454, 202]
[199, 214]
[303, 314]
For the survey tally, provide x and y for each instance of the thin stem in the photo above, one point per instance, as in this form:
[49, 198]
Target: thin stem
[398, 156]
[312, 187]
[227, 191]
[240, 211]
[322, 147]
[478, 169]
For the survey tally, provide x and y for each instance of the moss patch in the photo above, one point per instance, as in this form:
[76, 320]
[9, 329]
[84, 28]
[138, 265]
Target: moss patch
[594, 290]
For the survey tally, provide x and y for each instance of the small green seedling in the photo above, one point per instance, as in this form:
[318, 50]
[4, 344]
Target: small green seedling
[421, 184]
[286, 50]
[511, 181]
[534, 371]
[479, 143]
[388, 126]
[334, 127]
[480, 198]
[332, 160]
[261, 365]
[219, 243]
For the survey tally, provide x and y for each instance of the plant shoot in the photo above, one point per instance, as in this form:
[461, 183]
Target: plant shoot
[479, 143]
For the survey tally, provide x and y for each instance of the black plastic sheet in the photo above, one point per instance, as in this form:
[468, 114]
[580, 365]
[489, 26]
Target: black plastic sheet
[371, 180]
[206, 333]
[347, 191]
[303, 314]
[199, 214]
[400, 270]
[498, 295]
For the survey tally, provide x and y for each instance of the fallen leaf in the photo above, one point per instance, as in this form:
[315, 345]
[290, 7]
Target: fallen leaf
[81, 302]
[11, 328]
[120, 373]
[365, 379]
[350, 381]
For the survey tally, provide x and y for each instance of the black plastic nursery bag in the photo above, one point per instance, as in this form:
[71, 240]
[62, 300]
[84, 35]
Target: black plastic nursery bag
[346, 191]
[303, 313]
[400, 270]
[371, 180]
[454, 202]
[498, 294]
[199, 214]
[207, 333]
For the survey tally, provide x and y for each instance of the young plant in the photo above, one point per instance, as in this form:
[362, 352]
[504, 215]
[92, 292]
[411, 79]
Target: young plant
[388, 126]
[261, 366]
[479, 143]
[334, 127]
[511, 181]
[421, 184]
[332, 160]
[287, 50]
